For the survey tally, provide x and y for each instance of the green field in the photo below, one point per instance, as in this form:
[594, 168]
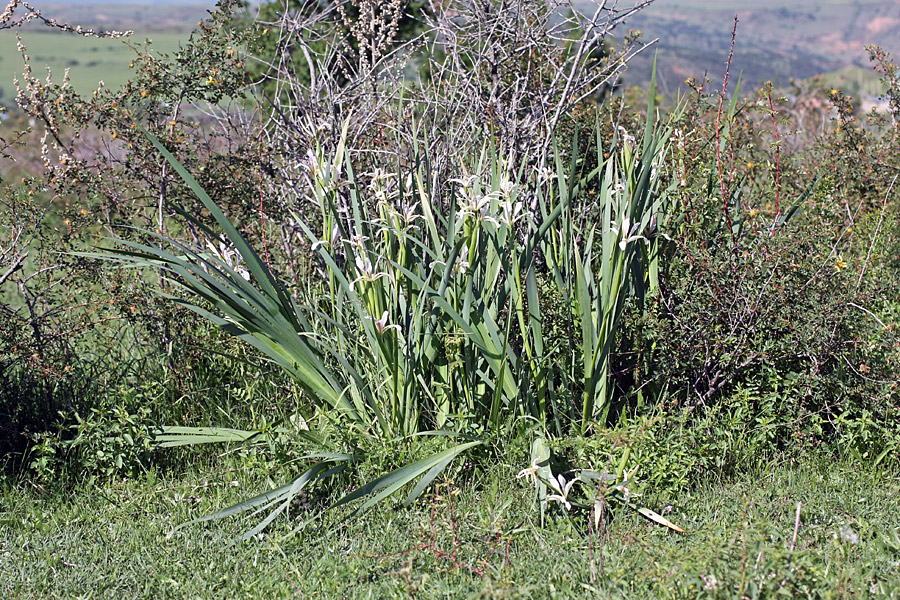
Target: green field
[89, 60]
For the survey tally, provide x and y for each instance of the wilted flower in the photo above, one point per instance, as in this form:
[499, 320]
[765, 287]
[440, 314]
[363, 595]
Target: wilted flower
[230, 256]
[847, 535]
[530, 472]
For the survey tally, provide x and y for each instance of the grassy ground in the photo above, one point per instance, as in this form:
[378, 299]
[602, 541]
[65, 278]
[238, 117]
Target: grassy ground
[117, 541]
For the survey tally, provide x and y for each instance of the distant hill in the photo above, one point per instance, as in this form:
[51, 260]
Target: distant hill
[140, 2]
[776, 40]
[145, 16]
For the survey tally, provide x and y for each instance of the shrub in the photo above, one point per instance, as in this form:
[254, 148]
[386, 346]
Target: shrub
[110, 441]
[775, 298]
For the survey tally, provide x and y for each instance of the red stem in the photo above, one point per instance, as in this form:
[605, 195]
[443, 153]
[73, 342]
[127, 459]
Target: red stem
[719, 129]
[777, 161]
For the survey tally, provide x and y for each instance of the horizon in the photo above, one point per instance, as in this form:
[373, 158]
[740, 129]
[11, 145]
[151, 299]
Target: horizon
[776, 40]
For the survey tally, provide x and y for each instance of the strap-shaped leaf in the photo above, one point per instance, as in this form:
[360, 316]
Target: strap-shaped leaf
[170, 437]
[657, 518]
[387, 484]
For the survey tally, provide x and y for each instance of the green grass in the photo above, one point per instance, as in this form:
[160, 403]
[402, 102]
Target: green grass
[117, 541]
[90, 60]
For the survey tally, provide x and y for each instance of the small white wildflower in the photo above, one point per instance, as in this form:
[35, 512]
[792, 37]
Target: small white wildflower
[623, 244]
[629, 233]
[381, 197]
[359, 242]
[465, 182]
[563, 488]
[626, 476]
[461, 266]
[512, 212]
[408, 213]
[479, 208]
[364, 265]
[381, 324]
[545, 174]
[507, 187]
[377, 177]
[366, 271]
[328, 243]
[383, 185]
[310, 163]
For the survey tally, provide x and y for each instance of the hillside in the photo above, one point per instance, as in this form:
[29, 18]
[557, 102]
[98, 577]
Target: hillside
[776, 40]
[147, 16]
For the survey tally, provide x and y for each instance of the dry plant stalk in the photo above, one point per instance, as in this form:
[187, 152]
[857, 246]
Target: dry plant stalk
[510, 68]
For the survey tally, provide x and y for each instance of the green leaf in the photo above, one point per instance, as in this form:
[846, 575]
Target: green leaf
[170, 437]
[393, 481]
